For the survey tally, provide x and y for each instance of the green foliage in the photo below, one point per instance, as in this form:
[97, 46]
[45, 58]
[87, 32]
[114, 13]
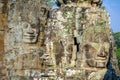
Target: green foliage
[118, 56]
[118, 52]
[117, 41]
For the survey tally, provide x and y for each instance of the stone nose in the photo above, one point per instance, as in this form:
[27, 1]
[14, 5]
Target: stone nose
[29, 29]
[102, 52]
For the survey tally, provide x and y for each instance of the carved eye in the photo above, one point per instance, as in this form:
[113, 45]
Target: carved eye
[25, 25]
[33, 26]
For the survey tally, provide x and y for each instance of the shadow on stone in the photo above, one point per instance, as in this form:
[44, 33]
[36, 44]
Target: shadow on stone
[111, 74]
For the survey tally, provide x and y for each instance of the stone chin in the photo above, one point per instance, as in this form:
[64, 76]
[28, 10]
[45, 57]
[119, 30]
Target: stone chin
[97, 64]
[101, 64]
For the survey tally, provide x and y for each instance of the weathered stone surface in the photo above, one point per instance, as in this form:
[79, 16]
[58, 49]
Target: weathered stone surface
[73, 42]
[3, 23]
[1, 42]
[80, 3]
[86, 35]
[24, 38]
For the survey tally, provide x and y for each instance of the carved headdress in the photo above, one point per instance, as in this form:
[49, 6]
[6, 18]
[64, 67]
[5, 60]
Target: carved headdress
[36, 8]
[91, 2]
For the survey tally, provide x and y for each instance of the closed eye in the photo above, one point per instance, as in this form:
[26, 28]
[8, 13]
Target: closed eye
[33, 26]
[25, 25]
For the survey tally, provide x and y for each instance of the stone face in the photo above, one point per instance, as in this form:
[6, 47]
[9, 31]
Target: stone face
[24, 38]
[87, 30]
[86, 43]
[73, 42]
[30, 31]
[95, 41]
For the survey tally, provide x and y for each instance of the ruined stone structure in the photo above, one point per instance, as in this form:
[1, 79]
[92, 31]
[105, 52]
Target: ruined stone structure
[73, 42]
[24, 47]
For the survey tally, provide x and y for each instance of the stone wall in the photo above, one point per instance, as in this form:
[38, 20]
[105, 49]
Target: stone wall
[3, 24]
[73, 42]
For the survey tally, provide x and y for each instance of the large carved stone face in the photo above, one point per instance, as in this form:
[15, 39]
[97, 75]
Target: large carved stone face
[97, 54]
[30, 31]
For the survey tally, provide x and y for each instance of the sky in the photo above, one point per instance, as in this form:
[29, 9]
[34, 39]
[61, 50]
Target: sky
[113, 8]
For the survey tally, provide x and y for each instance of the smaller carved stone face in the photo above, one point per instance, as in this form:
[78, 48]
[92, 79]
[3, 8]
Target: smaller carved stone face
[30, 31]
[97, 54]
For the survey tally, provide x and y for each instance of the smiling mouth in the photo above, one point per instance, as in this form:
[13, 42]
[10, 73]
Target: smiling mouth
[100, 58]
[29, 36]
